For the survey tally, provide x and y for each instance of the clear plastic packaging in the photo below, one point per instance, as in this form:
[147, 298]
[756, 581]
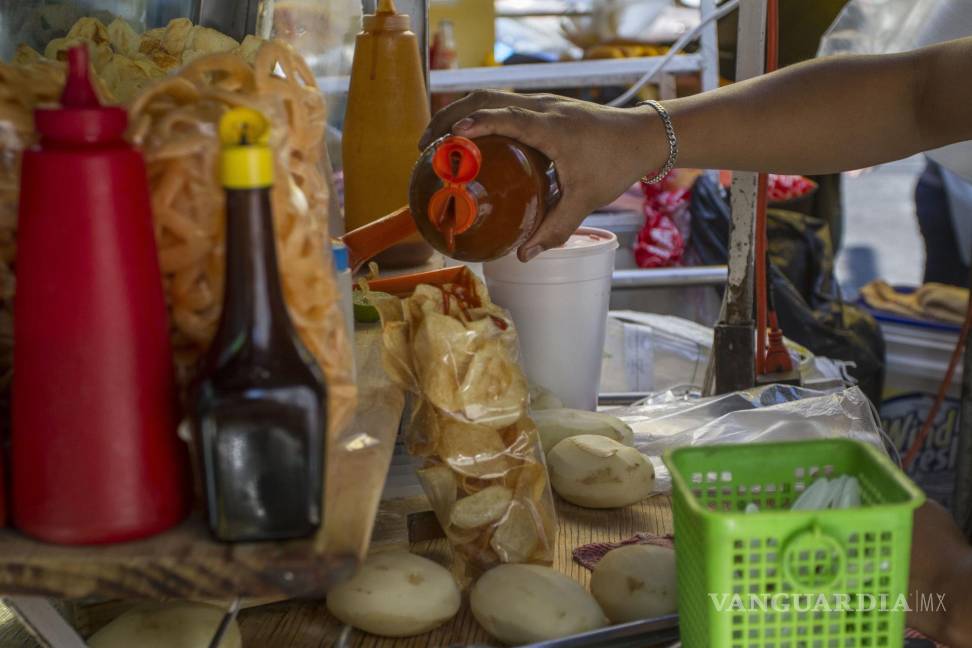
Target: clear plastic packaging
[174, 122]
[887, 26]
[881, 26]
[37, 22]
[648, 352]
[483, 468]
[675, 419]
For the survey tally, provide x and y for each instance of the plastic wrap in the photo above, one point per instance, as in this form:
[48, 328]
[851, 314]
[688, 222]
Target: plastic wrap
[175, 124]
[174, 121]
[22, 87]
[887, 26]
[322, 31]
[648, 352]
[483, 468]
[773, 413]
[880, 26]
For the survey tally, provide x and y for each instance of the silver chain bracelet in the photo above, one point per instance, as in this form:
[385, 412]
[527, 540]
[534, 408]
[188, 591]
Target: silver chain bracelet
[672, 142]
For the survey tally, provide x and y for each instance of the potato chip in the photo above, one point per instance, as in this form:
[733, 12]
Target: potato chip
[122, 37]
[156, 34]
[473, 450]
[468, 537]
[127, 78]
[483, 508]
[516, 537]
[520, 438]
[389, 308]
[89, 29]
[151, 46]
[395, 357]
[26, 54]
[440, 355]
[429, 299]
[439, 484]
[478, 556]
[203, 40]
[426, 299]
[494, 391]
[249, 46]
[528, 481]
[100, 53]
[482, 294]
[472, 485]
[423, 434]
[533, 487]
[176, 35]
[485, 327]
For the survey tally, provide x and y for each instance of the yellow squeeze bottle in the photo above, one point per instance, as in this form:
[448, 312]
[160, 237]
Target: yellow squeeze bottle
[388, 109]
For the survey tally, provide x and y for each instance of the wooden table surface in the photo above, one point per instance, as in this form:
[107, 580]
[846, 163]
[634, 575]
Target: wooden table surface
[308, 624]
[186, 564]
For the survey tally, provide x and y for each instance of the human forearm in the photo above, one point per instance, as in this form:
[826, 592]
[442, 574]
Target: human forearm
[831, 114]
[824, 116]
[941, 573]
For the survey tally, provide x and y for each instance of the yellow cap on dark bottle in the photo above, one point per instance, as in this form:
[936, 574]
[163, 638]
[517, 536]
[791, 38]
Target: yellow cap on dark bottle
[246, 161]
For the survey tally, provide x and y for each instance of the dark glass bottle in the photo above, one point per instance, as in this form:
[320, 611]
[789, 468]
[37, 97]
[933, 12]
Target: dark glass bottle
[258, 403]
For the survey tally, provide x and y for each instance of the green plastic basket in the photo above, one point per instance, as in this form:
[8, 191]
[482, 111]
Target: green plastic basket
[789, 579]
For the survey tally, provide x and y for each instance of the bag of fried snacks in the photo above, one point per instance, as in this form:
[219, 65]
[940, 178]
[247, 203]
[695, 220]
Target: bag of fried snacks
[23, 86]
[483, 469]
[175, 123]
[173, 119]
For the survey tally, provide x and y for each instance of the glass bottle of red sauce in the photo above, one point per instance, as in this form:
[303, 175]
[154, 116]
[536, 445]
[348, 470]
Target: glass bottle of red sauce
[258, 404]
[478, 200]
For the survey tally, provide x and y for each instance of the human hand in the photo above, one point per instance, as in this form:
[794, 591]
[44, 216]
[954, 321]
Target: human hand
[599, 152]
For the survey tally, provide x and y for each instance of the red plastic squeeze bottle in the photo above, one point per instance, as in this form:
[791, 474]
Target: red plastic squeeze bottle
[94, 453]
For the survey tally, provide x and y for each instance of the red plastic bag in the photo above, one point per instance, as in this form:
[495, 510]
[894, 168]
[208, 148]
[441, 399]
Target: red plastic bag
[781, 188]
[660, 243]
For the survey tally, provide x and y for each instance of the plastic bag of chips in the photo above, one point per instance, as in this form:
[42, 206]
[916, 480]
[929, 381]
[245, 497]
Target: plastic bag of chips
[484, 470]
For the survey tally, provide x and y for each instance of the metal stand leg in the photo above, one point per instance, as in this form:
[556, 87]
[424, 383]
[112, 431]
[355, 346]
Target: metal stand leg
[224, 625]
[44, 622]
[734, 345]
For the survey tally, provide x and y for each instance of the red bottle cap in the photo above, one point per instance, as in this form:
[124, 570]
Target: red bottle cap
[453, 209]
[81, 119]
[457, 160]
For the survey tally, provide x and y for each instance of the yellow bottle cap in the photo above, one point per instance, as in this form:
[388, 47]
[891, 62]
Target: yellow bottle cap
[246, 162]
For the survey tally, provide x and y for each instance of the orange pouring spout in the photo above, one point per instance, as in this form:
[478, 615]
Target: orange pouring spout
[453, 208]
[374, 238]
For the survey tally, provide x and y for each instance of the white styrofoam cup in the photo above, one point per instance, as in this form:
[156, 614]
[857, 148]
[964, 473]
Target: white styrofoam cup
[559, 303]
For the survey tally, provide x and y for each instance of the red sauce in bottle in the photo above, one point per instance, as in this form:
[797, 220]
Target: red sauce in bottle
[478, 200]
